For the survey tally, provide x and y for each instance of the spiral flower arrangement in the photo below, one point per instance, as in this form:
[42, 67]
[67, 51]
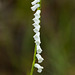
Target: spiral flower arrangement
[37, 53]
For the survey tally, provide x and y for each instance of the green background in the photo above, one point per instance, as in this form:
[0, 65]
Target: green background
[57, 36]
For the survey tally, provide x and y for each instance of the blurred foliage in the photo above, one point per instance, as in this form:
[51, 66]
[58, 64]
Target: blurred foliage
[57, 35]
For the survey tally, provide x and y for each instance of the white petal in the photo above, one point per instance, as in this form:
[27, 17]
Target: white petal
[36, 36]
[36, 20]
[37, 42]
[39, 50]
[36, 29]
[37, 14]
[35, 25]
[39, 70]
[39, 57]
[35, 7]
[35, 1]
[38, 67]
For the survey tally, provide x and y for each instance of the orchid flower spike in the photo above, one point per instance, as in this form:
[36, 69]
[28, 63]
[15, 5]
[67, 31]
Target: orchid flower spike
[36, 7]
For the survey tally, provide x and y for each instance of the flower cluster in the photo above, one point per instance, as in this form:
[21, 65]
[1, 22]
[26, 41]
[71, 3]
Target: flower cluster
[36, 24]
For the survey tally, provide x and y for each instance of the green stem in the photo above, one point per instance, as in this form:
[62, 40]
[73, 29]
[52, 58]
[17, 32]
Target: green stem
[34, 59]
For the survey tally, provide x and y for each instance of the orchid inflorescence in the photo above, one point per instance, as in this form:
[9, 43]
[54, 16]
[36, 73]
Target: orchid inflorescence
[36, 7]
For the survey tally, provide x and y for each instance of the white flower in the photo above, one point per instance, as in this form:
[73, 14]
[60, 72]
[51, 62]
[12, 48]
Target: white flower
[35, 24]
[36, 29]
[35, 7]
[36, 36]
[39, 57]
[37, 14]
[36, 20]
[37, 42]
[39, 50]
[38, 67]
[35, 1]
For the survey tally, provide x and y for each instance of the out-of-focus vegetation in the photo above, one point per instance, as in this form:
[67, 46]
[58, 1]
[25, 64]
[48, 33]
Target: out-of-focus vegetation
[57, 35]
